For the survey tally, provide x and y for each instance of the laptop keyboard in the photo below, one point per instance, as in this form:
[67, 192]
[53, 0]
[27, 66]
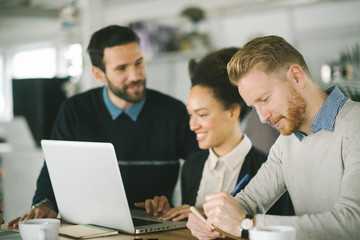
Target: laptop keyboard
[141, 222]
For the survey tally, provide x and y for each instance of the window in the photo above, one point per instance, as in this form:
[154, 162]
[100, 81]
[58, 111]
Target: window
[38, 63]
[73, 56]
[3, 115]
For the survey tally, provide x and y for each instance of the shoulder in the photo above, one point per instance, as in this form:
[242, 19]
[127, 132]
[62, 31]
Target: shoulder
[85, 97]
[155, 97]
[257, 153]
[347, 121]
[195, 158]
[350, 112]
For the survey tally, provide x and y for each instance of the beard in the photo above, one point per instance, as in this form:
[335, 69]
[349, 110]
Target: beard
[128, 97]
[295, 114]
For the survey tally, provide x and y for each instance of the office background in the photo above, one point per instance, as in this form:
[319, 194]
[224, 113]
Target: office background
[320, 29]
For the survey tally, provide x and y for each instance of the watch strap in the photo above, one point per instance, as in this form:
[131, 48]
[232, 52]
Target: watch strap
[245, 232]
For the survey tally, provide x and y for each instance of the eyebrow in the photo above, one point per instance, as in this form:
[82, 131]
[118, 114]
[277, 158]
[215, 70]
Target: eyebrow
[139, 59]
[126, 64]
[200, 109]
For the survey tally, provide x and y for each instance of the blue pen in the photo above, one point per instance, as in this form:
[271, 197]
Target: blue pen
[238, 186]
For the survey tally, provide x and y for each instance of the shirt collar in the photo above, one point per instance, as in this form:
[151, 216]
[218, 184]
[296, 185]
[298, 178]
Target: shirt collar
[325, 118]
[133, 111]
[234, 157]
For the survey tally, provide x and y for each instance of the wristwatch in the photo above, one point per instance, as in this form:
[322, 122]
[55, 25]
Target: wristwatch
[245, 225]
[36, 205]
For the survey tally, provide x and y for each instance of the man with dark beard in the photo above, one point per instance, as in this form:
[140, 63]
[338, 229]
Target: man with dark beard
[316, 158]
[148, 129]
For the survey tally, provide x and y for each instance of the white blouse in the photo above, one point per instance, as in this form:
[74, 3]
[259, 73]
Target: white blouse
[221, 174]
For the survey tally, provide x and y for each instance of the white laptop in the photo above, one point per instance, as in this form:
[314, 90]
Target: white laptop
[89, 189]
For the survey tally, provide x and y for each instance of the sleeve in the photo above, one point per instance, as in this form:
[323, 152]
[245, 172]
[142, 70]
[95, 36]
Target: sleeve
[62, 129]
[257, 197]
[340, 222]
[191, 176]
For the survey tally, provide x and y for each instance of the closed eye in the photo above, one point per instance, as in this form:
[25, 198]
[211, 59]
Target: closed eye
[265, 99]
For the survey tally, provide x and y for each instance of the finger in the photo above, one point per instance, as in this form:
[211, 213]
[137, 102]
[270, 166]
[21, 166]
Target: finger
[216, 195]
[12, 222]
[29, 215]
[155, 205]
[141, 205]
[180, 217]
[179, 213]
[164, 204]
[148, 205]
[52, 214]
[1, 206]
[169, 214]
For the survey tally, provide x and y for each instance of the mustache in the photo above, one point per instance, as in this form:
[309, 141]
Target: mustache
[135, 83]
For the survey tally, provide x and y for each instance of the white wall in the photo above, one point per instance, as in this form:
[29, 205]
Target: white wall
[318, 30]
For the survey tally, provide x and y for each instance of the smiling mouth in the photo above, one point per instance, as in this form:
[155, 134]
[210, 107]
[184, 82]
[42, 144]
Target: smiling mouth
[135, 87]
[276, 123]
[200, 136]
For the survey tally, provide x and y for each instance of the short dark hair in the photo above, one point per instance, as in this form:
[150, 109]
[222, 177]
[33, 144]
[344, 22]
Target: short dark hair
[211, 72]
[109, 36]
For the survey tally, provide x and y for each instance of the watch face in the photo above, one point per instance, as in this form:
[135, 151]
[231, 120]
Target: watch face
[246, 224]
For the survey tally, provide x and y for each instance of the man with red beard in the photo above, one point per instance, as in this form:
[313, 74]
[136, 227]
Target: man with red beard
[148, 129]
[316, 158]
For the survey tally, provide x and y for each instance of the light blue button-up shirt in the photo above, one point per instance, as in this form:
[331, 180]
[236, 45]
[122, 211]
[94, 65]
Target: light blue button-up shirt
[133, 111]
[325, 119]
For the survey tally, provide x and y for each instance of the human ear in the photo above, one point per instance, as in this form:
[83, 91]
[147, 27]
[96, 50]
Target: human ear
[235, 111]
[98, 74]
[297, 74]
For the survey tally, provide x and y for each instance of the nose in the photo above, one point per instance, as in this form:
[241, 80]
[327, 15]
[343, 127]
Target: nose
[263, 114]
[133, 73]
[193, 124]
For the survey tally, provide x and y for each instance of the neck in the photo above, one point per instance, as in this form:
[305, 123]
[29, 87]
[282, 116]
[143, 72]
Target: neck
[231, 142]
[315, 100]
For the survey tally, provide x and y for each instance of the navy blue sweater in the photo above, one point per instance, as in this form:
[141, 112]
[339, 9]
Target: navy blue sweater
[148, 150]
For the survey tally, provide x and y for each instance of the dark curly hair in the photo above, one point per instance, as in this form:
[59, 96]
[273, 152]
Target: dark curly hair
[211, 72]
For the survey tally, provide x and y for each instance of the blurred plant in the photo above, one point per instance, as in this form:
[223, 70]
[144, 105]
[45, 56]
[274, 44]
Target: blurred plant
[351, 92]
[350, 59]
[195, 14]
[351, 55]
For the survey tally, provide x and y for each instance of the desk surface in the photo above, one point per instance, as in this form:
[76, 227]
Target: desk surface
[164, 235]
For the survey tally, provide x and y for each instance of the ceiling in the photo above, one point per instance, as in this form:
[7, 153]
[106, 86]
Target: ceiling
[40, 9]
[31, 8]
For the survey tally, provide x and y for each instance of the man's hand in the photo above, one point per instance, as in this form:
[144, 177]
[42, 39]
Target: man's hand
[224, 212]
[42, 211]
[200, 229]
[155, 205]
[1, 211]
[176, 213]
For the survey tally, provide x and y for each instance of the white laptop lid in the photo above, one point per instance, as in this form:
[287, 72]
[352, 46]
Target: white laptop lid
[89, 189]
[80, 193]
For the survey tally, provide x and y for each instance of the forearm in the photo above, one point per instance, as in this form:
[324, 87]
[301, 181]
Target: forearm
[44, 189]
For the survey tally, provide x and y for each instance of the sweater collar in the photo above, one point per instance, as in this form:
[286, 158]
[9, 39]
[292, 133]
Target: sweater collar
[325, 118]
[133, 111]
